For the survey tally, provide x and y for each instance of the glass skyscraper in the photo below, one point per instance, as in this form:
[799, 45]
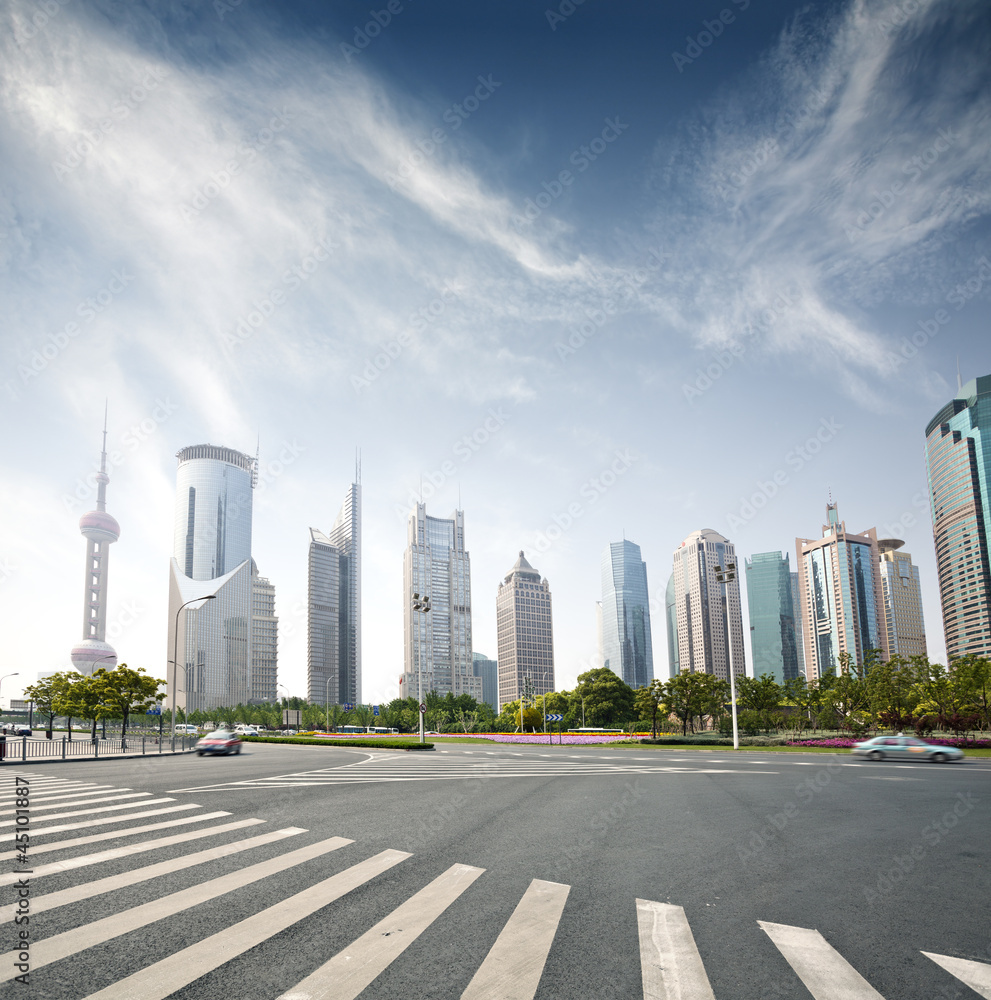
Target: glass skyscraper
[709, 624]
[671, 614]
[772, 616]
[437, 643]
[334, 608]
[488, 671]
[958, 456]
[839, 580]
[211, 555]
[627, 649]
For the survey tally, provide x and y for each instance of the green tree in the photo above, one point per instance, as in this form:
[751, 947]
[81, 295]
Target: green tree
[649, 702]
[608, 700]
[972, 679]
[759, 694]
[45, 694]
[693, 695]
[125, 690]
[86, 696]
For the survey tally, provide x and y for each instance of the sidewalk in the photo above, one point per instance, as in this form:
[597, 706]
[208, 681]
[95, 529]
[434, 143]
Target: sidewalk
[30, 750]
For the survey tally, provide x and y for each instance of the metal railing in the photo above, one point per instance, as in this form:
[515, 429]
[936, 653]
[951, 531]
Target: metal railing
[27, 747]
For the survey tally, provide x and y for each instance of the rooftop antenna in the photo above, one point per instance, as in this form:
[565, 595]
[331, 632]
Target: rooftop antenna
[959, 380]
[459, 495]
[103, 457]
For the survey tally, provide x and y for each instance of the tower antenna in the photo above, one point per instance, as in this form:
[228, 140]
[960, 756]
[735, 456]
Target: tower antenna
[959, 380]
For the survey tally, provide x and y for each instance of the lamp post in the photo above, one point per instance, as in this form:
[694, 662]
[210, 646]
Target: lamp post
[420, 604]
[724, 576]
[175, 658]
[282, 687]
[16, 673]
[543, 684]
[326, 702]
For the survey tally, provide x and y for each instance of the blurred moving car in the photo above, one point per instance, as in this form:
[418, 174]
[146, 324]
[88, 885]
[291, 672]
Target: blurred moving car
[904, 748]
[219, 741]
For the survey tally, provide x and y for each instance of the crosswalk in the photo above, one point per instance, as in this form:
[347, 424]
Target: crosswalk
[417, 767]
[224, 856]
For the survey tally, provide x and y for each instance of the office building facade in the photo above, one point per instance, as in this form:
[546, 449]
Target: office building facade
[437, 643]
[903, 619]
[524, 633]
[671, 620]
[709, 624]
[839, 582]
[488, 672]
[772, 616]
[626, 644]
[209, 644]
[958, 457]
[796, 603]
[334, 608]
[264, 640]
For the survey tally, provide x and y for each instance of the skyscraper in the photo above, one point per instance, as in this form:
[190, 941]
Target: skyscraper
[211, 556]
[903, 619]
[710, 627]
[772, 616]
[839, 580]
[671, 616]
[488, 671]
[334, 610]
[958, 456]
[100, 531]
[264, 639]
[524, 634]
[796, 604]
[437, 643]
[626, 647]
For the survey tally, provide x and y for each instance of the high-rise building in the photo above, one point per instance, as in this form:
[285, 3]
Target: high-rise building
[264, 640]
[958, 456]
[100, 530]
[211, 556]
[524, 634]
[626, 646]
[796, 604]
[772, 616]
[671, 619]
[437, 643]
[334, 610]
[839, 580]
[710, 626]
[902, 600]
[488, 671]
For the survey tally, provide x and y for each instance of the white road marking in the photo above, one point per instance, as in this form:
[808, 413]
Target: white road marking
[84, 824]
[976, 975]
[669, 958]
[89, 935]
[515, 963]
[122, 852]
[88, 890]
[826, 974]
[92, 812]
[171, 974]
[64, 795]
[354, 968]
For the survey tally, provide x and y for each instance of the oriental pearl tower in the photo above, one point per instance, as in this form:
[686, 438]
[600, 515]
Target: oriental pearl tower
[100, 530]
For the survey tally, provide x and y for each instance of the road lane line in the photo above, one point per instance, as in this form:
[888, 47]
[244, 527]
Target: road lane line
[92, 812]
[825, 973]
[976, 975]
[669, 958]
[88, 890]
[139, 848]
[515, 963]
[354, 968]
[163, 978]
[97, 932]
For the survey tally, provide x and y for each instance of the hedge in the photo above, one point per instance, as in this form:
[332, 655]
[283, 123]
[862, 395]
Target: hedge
[378, 744]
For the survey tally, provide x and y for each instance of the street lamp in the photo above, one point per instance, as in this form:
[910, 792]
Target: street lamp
[420, 604]
[326, 702]
[16, 673]
[175, 658]
[543, 684]
[724, 576]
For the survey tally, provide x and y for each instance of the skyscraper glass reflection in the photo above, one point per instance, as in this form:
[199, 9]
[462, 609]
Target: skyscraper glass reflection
[627, 648]
[772, 616]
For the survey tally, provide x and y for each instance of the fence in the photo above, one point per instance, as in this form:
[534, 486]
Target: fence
[25, 747]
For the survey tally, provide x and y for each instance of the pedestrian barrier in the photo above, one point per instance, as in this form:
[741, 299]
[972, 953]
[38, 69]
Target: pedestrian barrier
[27, 747]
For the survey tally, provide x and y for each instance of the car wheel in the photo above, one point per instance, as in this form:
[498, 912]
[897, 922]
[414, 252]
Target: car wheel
[938, 758]
[875, 755]
[238, 750]
[199, 753]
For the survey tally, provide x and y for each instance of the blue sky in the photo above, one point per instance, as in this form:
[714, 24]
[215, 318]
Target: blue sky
[610, 271]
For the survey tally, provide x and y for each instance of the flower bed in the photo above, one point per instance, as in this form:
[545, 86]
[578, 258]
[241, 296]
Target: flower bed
[567, 739]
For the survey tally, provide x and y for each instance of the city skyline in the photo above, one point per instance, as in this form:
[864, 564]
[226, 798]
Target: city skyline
[548, 274]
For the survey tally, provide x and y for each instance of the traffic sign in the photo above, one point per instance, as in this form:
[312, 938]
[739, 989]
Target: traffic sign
[423, 708]
[347, 707]
[555, 718]
[375, 710]
[156, 710]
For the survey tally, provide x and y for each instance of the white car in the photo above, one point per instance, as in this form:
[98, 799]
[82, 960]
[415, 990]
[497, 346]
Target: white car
[246, 730]
[16, 729]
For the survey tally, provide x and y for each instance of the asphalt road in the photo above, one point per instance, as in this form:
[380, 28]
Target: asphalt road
[885, 860]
